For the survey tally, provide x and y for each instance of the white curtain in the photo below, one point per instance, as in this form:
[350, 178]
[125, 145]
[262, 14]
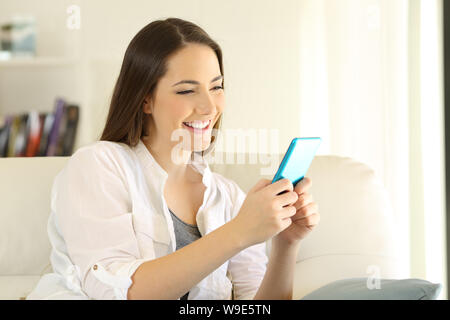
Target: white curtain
[432, 145]
[371, 86]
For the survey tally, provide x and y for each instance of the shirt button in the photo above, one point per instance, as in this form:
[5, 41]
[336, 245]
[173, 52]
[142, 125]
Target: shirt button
[95, 267]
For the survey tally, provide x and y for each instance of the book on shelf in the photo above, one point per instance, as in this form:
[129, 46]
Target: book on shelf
[4, 135]
[13, 135]
[47, 126]
[34, 134]
[55, 131]
[19, 146]
[70, 129]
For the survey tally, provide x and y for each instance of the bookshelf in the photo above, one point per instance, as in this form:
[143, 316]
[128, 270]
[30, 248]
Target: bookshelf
[31, 85]
[29, 91]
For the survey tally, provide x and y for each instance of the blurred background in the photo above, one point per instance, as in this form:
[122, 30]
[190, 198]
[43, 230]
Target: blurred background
[365, 75]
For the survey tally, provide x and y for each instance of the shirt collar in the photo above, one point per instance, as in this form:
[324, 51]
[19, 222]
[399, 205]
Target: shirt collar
[148, 161]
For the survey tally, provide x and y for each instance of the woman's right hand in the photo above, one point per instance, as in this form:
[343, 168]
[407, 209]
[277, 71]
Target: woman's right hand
[265, 212]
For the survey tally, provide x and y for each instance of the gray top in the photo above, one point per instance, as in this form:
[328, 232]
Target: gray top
[185, 233]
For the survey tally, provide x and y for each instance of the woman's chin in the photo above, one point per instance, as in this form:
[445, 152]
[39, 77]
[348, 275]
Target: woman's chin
[200, 148]
[203, 148]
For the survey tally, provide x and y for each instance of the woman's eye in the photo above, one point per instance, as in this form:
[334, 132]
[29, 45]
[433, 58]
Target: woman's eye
[189, 91]
[184, 92]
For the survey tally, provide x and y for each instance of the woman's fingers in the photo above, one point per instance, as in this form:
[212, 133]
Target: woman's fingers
[303, 200]
[303, 185]
[287, 212]
[285, 199]
[309, 221]
[280, 186]
[308, 210]
[262, 183]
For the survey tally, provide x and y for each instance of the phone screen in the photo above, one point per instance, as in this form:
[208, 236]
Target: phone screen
[297, 159]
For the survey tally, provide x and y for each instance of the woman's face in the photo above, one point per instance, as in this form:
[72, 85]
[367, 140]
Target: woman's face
[175, 102]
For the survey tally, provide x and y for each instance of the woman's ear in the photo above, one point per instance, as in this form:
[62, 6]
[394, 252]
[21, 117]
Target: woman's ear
[147, 105]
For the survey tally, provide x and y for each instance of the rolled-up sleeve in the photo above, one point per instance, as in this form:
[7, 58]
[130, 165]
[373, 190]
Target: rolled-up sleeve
[248, 267]
[94, 215]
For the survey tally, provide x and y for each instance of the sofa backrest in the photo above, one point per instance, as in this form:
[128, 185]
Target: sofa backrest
[356, 234]
[356, 217]
[25, 185]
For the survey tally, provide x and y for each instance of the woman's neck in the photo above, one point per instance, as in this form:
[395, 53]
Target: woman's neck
[178, 170]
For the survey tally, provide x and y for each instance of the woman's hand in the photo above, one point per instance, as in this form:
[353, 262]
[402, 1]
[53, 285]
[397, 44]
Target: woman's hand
[265, 212]
[306, 217]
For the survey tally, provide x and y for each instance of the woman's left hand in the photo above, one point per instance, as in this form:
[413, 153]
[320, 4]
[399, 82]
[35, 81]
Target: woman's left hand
[305, 219]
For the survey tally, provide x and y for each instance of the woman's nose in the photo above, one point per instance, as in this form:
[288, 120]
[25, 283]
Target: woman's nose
[207, 105]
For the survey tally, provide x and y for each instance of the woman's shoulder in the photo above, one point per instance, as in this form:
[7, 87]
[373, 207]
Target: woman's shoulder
[102, 146]
[101, 154]
[97, 161]
[102, 149]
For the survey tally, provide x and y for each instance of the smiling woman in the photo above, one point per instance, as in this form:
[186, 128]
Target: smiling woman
[152, 60]
[127, 222]
[189, 105]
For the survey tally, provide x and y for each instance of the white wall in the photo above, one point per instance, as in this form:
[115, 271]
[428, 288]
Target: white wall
[34, 85]
[354, 90]
[431, 143]
[261, 91]
[260, 56]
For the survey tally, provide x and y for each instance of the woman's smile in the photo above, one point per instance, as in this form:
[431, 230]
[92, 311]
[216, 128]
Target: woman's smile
[197, 127]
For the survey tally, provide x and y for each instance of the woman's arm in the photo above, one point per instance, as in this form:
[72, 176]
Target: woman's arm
[261, 216]
[171, 276]
[278, 280]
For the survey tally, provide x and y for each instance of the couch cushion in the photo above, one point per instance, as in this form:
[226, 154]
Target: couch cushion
[356, 216]
[356, 229]
[313, 273]
[386, 289]
[24, 245]
[17, 287]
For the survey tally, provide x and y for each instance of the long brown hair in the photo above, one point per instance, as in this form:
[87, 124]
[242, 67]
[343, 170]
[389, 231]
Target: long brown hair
[144, 63]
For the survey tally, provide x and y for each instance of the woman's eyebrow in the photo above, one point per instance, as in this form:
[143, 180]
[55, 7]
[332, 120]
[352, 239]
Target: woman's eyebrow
[196, 82]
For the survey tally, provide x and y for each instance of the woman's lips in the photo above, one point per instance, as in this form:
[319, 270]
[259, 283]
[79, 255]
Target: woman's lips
[196, 130]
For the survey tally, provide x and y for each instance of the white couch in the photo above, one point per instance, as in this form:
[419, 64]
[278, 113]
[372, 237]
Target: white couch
[354, 238]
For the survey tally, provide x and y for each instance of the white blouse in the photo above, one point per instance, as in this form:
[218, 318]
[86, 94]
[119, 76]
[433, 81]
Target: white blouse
[108, 215]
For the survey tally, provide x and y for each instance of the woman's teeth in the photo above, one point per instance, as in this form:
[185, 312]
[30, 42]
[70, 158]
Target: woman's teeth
[198, 124]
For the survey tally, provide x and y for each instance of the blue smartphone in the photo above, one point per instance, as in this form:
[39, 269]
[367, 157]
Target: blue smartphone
[297, 159]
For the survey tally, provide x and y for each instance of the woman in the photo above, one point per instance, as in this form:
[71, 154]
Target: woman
[138, 216]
